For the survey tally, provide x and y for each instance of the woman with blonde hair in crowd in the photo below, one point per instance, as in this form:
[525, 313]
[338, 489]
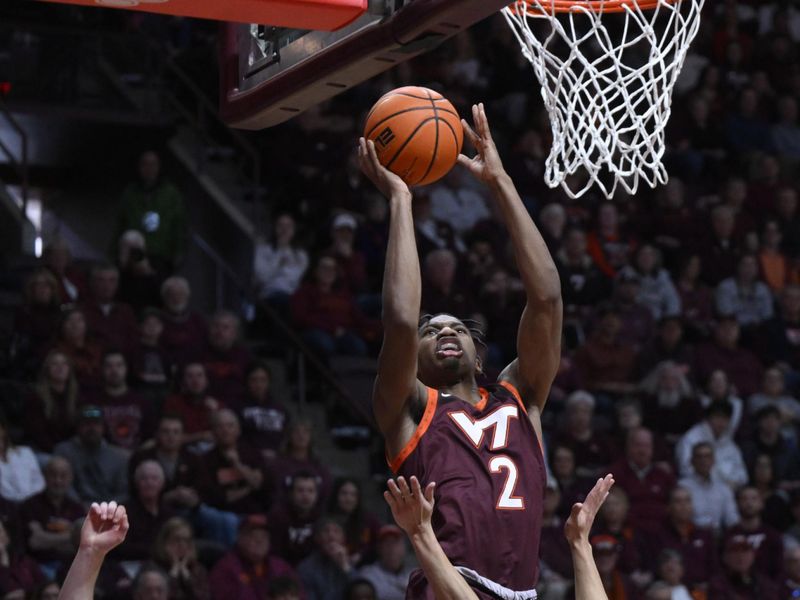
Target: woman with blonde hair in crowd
[36, 321]
[176, 553]
[51, 409]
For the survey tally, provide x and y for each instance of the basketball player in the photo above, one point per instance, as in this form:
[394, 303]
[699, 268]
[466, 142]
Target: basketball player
[412, 509]
[482, 446]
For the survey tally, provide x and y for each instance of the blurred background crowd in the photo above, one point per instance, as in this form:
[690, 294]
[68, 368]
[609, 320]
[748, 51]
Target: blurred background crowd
[680, 371]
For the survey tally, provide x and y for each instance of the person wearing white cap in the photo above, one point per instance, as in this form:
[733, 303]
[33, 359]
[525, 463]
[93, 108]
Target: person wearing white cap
[352, 262]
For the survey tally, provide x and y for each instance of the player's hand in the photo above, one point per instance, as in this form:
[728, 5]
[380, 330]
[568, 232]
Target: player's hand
[583, 513]
[486, 165]
[388, 183]
[104, 528]
[411, 508]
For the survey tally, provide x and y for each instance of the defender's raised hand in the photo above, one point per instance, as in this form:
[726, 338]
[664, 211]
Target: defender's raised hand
[486, 165]
[387, 182]
[105, 527]
[583, 513]
[411, 508]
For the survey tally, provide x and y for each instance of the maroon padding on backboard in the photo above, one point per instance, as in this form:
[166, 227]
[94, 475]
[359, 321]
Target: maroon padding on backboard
[351, 61]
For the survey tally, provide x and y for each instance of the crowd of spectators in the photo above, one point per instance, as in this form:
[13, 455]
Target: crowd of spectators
[680, 371]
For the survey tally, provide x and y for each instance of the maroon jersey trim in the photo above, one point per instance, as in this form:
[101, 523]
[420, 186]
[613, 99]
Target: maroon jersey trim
[427, 417]
[514, 392]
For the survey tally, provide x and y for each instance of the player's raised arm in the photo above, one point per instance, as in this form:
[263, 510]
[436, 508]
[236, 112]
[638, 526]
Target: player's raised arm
[103, 530]
[539, 335]
[402, 293]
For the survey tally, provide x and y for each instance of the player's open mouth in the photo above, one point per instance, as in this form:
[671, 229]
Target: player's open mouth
[447, 348]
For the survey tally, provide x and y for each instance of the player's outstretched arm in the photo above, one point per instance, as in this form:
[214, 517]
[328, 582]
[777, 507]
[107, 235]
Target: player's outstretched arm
[588, 585]
[103, 530]
[539, 337]
[402, 294]
[412, 509]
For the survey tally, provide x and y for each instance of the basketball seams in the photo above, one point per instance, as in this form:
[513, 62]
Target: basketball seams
[408, 139]
[435, 140]
[400, 112]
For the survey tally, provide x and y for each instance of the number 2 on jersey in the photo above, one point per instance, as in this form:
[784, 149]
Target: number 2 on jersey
[507, 500]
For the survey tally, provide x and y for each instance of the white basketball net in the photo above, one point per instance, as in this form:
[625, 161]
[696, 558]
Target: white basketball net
[607, 81]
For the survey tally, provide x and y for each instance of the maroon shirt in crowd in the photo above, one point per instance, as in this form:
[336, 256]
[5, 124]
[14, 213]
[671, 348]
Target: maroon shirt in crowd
[233, 577]
[283, 469]
[263, 424]
[22, 573]
[128, 418]
[183, 334]
[598, 363]
[696, 547]
[742, 367]
[328, 311]
[115, 327]
[633, 548]
[648, 493]
[45, 432]
[194, 412]
[768, 544]
[726, 586]
[226, 372]
[291, 535]
[554, 548]
[52, 519]
[217, 476]
[591, 455]
[144, 529]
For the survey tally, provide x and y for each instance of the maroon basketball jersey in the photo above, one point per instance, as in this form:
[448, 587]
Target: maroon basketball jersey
[490, 479]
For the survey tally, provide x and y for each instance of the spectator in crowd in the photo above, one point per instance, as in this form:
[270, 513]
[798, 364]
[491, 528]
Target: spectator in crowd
[151, 368]
[591, 449]
[139, 282]
[175, 552]
[327, 313]
[668, 344]
[744, 296]
[226, 358]
[147, 511]
[232, 476]
[765, 540]
[373, 237]
[297, 454]
[111, 323]
[781, 334]
[608, 246]
[773, 393]
[656, 290]
[697, 298]
[126, 415]
[503, 299]
[719, 389]
[20, 475]
[246, 571]
[785, 134]
[20, 575]
[175, 460]
[552, 223]
[669, 569]
[646, 484]
[284, 588]
[613, 520]
[456, 202]
[670, 406]
[555, 562]
[84, 353]
[791, 569]
[151, 583]
[263, 417]
[194, 406]
[719, 252]
[746, 130]
[326, 570]
[361, 527]
[583, 286]
[606, 555]
[738, 578]
[100, 469]
[694, 544]
[431, 233]
[57, 258]
[352, 263]
[712, 500]
[724, 353]
[776, 511]
[716, 430]
[768, 439]
[773, 264]
[47, 517]
[441, 291]
[637, 320]
[279, 264]
[51, 409]
[154, 207]
[572, 487]
[292, 521]
[605, 365]
[184, 329]
[389, 574]
[36, 321]
[786, 212]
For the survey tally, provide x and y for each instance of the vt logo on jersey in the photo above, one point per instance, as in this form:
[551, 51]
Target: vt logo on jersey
[498, 421]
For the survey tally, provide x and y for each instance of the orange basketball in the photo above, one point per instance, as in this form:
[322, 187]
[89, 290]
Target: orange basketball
[417, 134]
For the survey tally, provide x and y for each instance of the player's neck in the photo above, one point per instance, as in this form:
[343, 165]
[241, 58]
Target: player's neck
[466, 390]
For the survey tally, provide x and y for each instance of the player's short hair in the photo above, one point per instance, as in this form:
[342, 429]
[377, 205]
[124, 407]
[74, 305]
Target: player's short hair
[472, 325]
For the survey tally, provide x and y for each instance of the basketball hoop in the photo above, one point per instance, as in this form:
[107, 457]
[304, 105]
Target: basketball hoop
[607, 69]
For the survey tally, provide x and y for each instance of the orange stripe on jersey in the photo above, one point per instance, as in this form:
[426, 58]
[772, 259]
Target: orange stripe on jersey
[484, 399]
[427, 417]
[514, 392]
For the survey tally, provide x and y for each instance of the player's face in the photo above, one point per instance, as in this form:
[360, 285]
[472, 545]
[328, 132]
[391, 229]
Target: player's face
[446, 352]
